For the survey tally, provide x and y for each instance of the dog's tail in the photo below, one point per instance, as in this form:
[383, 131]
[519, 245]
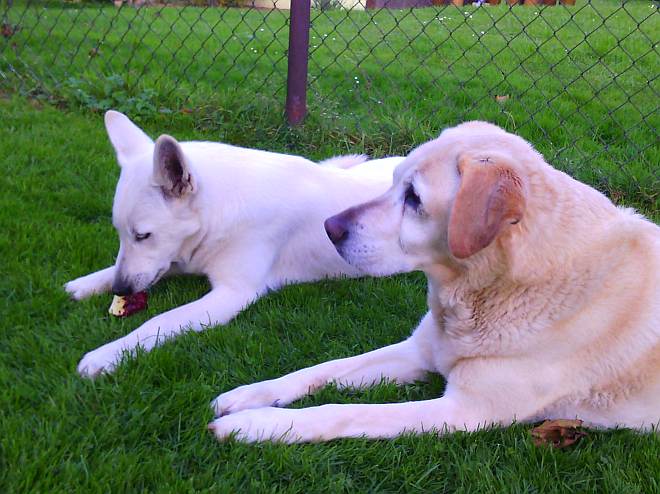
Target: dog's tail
[347, 161]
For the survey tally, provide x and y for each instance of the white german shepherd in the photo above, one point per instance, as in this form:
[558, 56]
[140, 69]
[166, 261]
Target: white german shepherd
[252, 221]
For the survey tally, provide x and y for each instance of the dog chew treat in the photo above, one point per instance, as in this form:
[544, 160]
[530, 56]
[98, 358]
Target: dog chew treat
[128, 305]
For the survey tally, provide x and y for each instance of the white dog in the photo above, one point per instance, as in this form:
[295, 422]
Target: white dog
[250, 220]
[544, 302]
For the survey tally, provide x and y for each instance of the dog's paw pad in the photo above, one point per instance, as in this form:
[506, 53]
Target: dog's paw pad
[256, 395]
[83, 287]
[262, 424]
[77, 289]
[96, 363]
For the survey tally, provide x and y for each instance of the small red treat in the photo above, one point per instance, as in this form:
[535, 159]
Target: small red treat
[124, 306]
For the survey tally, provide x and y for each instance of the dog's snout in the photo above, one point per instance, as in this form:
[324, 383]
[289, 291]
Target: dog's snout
[336, 228]
[122, 287]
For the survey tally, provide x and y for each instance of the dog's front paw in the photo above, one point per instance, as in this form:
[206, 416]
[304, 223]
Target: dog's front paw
[100, 361]
[257, 395]
[261, 424]
[84, 287]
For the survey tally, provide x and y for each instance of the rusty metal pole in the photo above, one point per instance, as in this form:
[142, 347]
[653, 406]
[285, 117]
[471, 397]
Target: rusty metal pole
[296, 83]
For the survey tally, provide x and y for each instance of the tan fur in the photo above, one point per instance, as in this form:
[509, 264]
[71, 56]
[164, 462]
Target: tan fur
[544, 301]
[490, 194]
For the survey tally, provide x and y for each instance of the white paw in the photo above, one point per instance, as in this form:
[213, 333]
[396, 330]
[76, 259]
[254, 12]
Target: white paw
[82, 287]
[257, 395]
[260, 424]
[103, 360]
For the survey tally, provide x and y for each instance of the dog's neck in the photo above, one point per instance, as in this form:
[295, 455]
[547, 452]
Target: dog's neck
[524, 261]
[491, 311]
[192, 257]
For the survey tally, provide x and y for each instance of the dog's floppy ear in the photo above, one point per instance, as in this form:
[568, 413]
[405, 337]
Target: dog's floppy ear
[490, 197]
[171, 170]
[127, 138]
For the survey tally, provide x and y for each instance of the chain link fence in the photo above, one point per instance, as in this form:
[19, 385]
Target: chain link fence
[579, 81]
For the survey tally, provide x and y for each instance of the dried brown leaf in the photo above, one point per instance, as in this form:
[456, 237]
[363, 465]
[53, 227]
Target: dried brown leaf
[558, 433]
[8, 30]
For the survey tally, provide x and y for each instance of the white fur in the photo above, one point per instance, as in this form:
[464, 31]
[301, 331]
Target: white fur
[250, 220]
[558, 317]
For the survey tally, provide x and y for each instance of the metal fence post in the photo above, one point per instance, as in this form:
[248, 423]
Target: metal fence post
[296, 82]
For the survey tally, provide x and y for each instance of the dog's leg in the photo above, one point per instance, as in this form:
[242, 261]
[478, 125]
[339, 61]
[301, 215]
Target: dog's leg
[217, 307]
[400, 362]
[479, 393]
[403, 362]
[86, 286]
[451, 412]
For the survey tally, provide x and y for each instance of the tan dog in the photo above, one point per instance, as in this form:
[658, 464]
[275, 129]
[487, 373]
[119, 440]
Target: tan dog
[544, 301]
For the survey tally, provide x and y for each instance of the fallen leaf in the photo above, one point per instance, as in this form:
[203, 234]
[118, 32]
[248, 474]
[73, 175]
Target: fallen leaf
[8, 30]
[558, 433]
[502, 98]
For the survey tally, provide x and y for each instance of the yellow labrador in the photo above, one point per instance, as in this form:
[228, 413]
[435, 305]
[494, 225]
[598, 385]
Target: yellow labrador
[544, 302]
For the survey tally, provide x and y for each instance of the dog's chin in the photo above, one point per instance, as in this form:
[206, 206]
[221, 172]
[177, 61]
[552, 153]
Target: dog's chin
[368, 265]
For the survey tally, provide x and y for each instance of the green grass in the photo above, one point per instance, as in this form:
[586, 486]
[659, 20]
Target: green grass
[144, 428]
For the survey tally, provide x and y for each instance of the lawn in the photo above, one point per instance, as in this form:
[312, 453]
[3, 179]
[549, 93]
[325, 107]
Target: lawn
[144, 428]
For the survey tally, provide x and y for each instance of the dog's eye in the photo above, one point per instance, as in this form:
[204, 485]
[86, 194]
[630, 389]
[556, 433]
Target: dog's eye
[411, 198]
[139, 237]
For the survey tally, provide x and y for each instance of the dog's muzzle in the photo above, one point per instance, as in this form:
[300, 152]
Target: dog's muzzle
[122, 287]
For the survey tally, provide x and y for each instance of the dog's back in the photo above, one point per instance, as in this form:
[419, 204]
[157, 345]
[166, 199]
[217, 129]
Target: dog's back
[623, 386]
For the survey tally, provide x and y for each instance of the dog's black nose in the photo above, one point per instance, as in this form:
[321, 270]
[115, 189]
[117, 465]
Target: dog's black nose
[336, 228]
[121, 287]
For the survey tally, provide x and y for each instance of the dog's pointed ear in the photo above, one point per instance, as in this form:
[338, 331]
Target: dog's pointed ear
[491, 195]
[127, 138]
[171, 171]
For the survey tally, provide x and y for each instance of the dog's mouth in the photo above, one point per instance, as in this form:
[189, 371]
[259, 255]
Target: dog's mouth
[140, 286]
[161, 272]
[347, 258]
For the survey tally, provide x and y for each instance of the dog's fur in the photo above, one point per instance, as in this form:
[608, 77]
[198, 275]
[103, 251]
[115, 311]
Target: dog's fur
[250, 220]
[544, 302]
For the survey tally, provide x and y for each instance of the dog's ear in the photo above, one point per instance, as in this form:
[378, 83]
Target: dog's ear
[127, 138]
[490, 197]
[171, 171]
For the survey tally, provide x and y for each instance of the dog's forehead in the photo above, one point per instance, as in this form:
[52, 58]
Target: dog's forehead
[136, 199]
[404, 169]
[441, 155]
[435, 157]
